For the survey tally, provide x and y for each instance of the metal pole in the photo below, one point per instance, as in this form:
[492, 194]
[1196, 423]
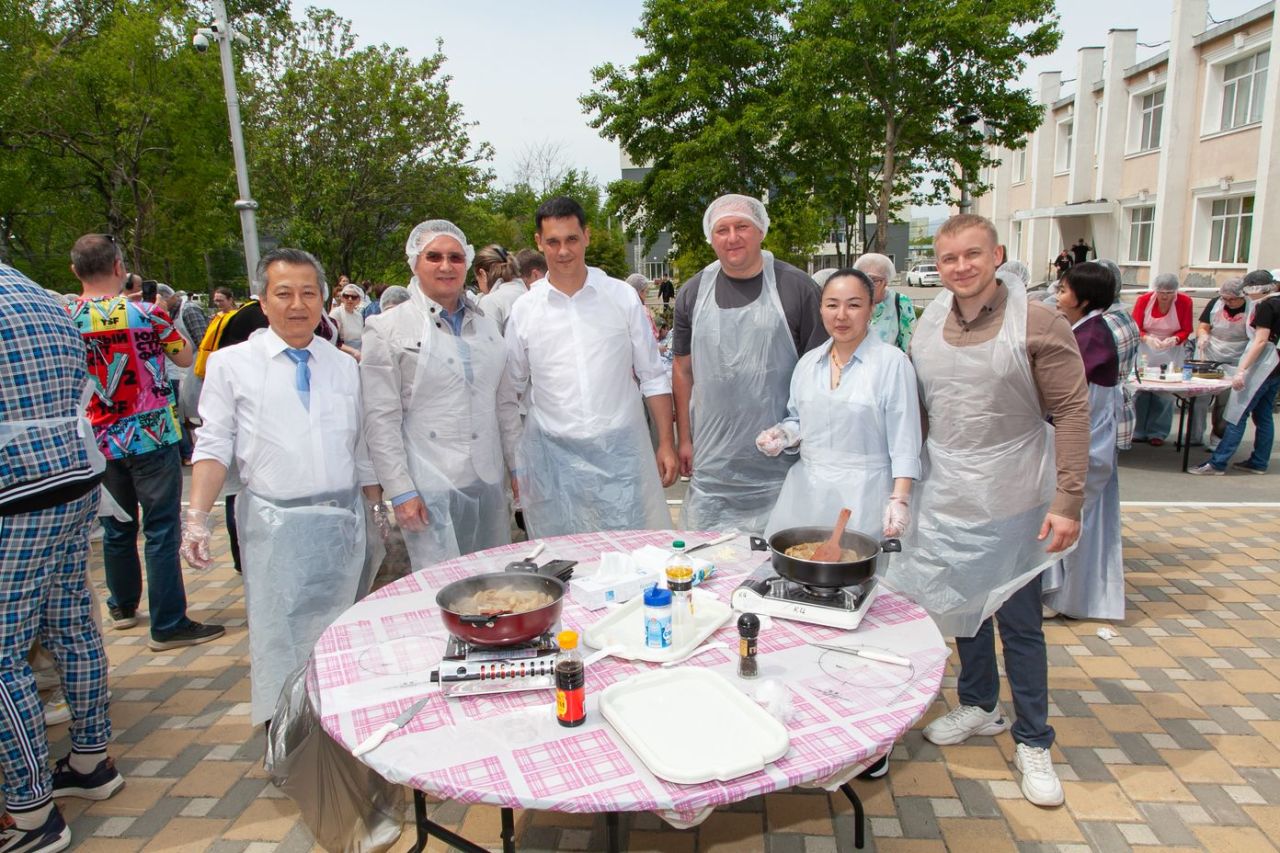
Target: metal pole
[245, 203]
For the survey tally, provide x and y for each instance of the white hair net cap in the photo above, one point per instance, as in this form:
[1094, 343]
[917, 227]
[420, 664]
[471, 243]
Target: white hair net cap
[427, 231]
[822, 275]
[352, 290]
[393, 296]
[735, 205]
[1166, 281]
[639, 282]
[1018, 270]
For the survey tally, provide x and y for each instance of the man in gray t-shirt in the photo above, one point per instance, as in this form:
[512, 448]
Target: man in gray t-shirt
[740, 326]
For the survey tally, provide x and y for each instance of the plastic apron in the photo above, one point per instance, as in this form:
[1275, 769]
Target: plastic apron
[742, 362]
[603, 479]
[844, 458]
[1253, 380]
[304, 561]
[1160, 327]
[1228, 336]
[1089, 582]
[989, 473]
[453, 444]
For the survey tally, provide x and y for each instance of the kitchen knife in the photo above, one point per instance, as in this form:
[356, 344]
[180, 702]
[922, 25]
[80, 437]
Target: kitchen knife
[719, 539]
[869, 654]
[399, 722]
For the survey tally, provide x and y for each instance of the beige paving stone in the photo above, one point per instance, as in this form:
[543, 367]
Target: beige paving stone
[1266, 817]
[1030, 822]
[1125, 718]
[1201, 765]
[1081, 731]
[163, 743]
[1144, 783]
[184, 834]
[921, 779]
[264, 820]
[976, 762]
[137, 797]
[1187, 647]
[876, 796]
[909, 845]
[1145, 656]
[1232, 839]
[806, 813]
[976, 835]
[1172, 706]
[1251, 680]
[211, 779]
[1246, 750]
[1099, 801]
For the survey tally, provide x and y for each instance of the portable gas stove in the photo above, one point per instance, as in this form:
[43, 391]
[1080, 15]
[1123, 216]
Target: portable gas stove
[835, 607]
[468, 669]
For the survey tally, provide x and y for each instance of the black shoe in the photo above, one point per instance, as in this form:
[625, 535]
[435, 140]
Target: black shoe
[189, 633]
[879, 770]
[101, 784]
[122, 617]
[51, 836]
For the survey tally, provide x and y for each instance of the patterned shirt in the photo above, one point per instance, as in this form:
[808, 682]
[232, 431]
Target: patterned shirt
[132, 409]
[894, 323]
[42, 362]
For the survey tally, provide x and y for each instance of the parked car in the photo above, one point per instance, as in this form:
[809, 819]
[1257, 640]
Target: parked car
[923, 275]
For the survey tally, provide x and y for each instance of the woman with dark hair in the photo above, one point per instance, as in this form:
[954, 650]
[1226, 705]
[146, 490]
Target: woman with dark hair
[1089, 582]
[854, 418]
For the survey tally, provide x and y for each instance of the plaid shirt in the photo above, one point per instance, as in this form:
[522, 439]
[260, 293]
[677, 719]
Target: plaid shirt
[1125, 331]
[43, 360]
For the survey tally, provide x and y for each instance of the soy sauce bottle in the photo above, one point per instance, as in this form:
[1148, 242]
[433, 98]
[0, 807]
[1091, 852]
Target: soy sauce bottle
[571, 681]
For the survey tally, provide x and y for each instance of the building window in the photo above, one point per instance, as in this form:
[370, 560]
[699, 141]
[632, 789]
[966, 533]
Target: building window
[656, 269]
[1230, 228]
[1244, 84]
[1152, 119]
[1142, 223]
[1020, 165]
[1062, 160]
[1015, 240]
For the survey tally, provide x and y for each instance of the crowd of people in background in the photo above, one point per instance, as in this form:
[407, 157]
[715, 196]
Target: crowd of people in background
[324, 417]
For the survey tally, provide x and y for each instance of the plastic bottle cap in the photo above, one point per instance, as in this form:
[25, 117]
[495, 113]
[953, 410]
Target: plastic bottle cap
[679, 543]
[567, 639]
[748, 625]
[656, 596]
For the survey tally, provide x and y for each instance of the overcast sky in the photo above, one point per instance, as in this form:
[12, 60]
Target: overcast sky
[519, 67]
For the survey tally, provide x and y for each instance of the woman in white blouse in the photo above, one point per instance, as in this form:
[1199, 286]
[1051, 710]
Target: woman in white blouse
[854, 418]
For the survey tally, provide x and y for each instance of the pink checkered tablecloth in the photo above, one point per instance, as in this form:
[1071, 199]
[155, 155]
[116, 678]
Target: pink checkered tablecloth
[508, 749]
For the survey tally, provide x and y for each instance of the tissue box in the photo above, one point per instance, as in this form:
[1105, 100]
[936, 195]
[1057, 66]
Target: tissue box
[618, 578]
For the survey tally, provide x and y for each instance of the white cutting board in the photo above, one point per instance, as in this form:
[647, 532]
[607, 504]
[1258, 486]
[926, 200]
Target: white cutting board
[691, 725]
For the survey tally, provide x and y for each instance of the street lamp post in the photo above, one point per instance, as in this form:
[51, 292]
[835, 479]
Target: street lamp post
[222, 33]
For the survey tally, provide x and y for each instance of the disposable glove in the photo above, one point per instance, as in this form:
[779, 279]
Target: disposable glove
[771, 441]
[381, 519]
[897, 515]
[196, 530]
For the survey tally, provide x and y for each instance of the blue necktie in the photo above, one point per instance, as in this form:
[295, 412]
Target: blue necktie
[302, 378]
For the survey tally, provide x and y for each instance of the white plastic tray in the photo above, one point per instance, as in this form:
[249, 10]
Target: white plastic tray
[690, 725]
[623, 629]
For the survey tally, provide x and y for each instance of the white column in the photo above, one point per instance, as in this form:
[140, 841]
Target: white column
[1000, 180]
[1263, 253]
[1085, 118]
[1170, 245]
[1043, 143]
[1121, 54]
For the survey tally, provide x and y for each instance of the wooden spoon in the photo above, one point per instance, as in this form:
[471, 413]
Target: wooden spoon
[830, 551]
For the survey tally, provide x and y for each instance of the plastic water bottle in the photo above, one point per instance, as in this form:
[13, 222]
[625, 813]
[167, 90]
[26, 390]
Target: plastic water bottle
[657, 617]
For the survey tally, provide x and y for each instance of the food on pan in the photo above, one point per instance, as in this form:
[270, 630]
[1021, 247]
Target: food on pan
[804, 551]
[503, 599]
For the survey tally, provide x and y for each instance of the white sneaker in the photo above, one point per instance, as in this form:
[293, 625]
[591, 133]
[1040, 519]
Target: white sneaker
[964, 722]
[1040, 783]
[56, 710]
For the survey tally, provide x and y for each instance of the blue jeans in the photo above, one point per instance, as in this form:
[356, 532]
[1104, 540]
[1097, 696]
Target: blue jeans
[1026, 665]
[153, 480]
[1261, 408]
[1154, 415]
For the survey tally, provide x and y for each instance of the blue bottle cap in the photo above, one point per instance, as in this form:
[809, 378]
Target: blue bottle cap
[656, 596]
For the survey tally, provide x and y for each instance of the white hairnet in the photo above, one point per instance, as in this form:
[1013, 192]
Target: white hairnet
[1166, 281]
[822, 275]
[1018, 270]
[393, 296]
[425, 232]
[1232, 287]
[352, 290]
[735, 205]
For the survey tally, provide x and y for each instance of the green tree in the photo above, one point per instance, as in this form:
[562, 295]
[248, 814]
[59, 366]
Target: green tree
[696, 106]
[925, 71]
[357, 146]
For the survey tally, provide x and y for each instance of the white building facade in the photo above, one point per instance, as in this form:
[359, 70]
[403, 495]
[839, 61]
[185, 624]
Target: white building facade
[1164, 165]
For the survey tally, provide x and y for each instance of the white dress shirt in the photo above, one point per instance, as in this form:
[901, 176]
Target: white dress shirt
[583, 356]
[252, 410]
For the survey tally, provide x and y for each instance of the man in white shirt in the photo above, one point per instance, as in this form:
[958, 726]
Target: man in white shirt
[430, 377]
[286, 406]
[580, 345]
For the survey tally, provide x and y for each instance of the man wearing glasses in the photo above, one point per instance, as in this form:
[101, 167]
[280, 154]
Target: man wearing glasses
[429, 377]
[894, 318]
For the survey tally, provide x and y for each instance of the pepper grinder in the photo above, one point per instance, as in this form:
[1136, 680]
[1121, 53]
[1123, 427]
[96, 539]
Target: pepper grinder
[748, 630]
